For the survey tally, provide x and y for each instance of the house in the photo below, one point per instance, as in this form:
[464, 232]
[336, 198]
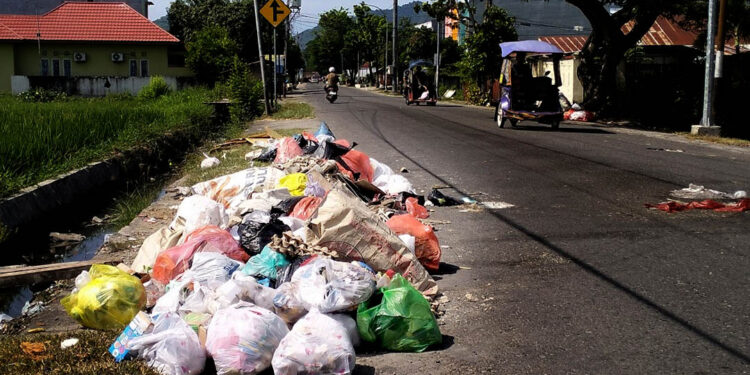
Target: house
[91, 48]
[666, 50]
[35, 7]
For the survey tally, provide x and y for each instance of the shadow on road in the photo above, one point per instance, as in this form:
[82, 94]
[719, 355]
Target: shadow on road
[446, 269]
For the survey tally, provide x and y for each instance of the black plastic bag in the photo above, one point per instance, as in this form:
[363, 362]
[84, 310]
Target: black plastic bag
[284, 274]
[285, 207]
[310, 148]
[258, 229]
[405, 194]
[268, 155]
[439, 199]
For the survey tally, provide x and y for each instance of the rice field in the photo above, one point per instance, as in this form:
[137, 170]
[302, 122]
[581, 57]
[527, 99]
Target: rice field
[42, 140]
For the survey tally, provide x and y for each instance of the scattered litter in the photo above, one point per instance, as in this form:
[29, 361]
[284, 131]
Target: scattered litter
[699, 192]
[35, 350]
[30, 308]
[471, 298]
[445, 247]
[672, 206]
[252, 155]
[468, 200]
[68, 343]
[440, 199]
[209, 162]
[404, 170]
[449, 94]
[664, 149]
[497, 205]
[36, 330]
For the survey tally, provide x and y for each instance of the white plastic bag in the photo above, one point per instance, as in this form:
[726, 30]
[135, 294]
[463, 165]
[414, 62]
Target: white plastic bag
[330, 286]
[318, 344]
[238, 289]
[212, 269]
[209, 162]
[287, 305]
[386, 180]
[198, 211]
[243, 337]
[172, 348]
[409, 241]
[230, 190]
[157, 242]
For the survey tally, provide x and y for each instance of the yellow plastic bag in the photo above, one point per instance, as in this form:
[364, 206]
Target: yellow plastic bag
[109, 301]
[295, 183]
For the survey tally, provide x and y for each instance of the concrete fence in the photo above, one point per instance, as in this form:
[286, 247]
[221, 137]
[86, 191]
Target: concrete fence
[91, 86]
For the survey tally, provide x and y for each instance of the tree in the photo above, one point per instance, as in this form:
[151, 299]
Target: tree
[737, 21]
[210, 54]
[366, 38]
[329, 46]
[482, 59]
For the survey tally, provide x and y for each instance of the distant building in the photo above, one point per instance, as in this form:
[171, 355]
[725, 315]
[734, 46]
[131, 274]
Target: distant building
[85, 39]
[33, 7]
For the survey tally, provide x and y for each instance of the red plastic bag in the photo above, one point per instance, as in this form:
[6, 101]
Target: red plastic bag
[708, 204]
[176, 260]
[356, 162]
[286, 150]
[309, 136]
[743, 205]
[415, 209]
[426, 244]
[306, 207]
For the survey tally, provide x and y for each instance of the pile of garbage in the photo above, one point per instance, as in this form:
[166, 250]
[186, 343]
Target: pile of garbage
[288, 266]
[704, 199]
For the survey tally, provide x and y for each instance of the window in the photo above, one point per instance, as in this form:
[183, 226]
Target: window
[144, 68]
[176, 58]
[133, 68]
[66, 68]
[56, 67]
[45, 67]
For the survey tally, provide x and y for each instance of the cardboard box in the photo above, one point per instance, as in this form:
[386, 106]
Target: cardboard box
[202, 332]
[140, 324]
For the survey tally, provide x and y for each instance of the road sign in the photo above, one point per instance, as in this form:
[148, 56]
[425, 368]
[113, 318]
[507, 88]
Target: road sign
[275, 11]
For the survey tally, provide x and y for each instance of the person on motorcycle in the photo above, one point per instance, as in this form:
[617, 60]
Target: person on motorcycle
[332, 79]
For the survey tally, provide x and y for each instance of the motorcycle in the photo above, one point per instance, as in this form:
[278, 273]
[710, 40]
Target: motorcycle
[331, 93]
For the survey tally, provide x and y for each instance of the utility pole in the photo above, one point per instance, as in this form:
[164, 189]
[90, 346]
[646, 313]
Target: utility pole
[275, 69]
[395, 46]
[437, 58]
[260, 56]
[719, 71]
[706, 127]
[286, 50]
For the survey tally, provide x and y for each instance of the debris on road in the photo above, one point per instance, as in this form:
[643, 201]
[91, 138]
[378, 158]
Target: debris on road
[67, 343]
[295, 251]
[699, 192]
[708, 204]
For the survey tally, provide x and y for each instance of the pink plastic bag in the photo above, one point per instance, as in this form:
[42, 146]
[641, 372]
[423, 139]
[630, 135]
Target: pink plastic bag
[286, 150]
[176, 260]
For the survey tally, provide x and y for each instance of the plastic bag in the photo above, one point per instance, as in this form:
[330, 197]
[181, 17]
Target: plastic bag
[324, 134]
[313, 189]
[318, 344]
[241, 288]
[109, 301]
[265, 264]
[209, 161]
[398, 318]
[415, 209]
[156, 243]
[268, 155]
[257, 229]
[295, 182]
[212, 269]
[306, 207]
[440, 199]
[384, 178]
[172, 348]
[198, 211]
[426, 245]
[409, 241]
[287, 149]
[245, 348]
[356, 165]
[286, 304]
[330, 286]
[173, 262]
[231, 190]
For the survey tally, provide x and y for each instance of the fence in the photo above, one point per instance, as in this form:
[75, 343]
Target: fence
[92, 86]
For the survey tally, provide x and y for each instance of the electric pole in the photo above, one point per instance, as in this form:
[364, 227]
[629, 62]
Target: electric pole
[706, 127]
[395, 46]
[260, 57]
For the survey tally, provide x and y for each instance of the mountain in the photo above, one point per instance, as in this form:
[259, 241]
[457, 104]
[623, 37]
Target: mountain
[162, 22]
[404, 11]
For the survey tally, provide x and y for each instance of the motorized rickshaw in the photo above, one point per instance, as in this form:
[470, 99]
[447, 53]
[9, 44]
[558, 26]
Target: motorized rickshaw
[419, 87]
[524, 95]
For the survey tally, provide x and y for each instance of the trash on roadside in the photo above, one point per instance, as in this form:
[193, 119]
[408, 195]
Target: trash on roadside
[306, 207]
[440, 199]
[209, 162]
[171, 347]
[257, 230]
[140, 324]
[708, 204]
[163, 239]
[324, 134]
[578, 115]
[426, 246]
[248, 347]
[109, 301]
[415, 209]
[67, 343]
[197, 211]
[233, 189]
[295, 183]
[699, 192]
[265, 264]
[399, 318]
[331, 286]
[317, 344]
[287, 149]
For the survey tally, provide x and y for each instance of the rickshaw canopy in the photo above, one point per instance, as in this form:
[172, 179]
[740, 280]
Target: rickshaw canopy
[420, 63]
[528, 46]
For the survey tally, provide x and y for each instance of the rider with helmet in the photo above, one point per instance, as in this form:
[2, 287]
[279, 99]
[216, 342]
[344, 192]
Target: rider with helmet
[332, 79]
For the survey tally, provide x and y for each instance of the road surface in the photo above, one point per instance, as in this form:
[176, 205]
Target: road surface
[577, 276]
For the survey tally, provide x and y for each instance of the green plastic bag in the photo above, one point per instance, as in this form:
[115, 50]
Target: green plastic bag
[109, 301]
[265, 264]
[398, 318]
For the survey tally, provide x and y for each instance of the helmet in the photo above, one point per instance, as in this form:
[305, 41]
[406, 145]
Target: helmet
[332, 70]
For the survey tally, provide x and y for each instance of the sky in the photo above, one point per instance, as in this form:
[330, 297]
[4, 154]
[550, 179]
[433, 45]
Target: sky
[308, 12]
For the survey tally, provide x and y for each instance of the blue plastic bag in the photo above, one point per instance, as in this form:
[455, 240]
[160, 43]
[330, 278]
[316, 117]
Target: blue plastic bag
[265, 264]
[324, 130]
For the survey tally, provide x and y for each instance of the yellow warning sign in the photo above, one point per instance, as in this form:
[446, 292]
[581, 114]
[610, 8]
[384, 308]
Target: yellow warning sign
[275, 11]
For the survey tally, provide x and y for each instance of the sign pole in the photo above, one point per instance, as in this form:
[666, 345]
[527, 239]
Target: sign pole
[260, 56]
[275, 68]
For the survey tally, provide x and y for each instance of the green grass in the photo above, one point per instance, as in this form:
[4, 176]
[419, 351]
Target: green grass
[43, 140]
[89, 356]
[131, 202]
[720, 140]
[293, 110]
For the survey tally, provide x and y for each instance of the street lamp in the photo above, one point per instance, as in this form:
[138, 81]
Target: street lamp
[385, 52]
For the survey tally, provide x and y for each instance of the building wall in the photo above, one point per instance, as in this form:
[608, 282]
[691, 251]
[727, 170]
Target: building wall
[6, 66]
[571, 86]
[28, 59]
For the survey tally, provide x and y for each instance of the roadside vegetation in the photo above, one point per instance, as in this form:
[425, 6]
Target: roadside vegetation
[293, 110]
[42, 139]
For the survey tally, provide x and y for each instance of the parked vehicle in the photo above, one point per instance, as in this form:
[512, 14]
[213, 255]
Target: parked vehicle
[523, 95]
[419, 86]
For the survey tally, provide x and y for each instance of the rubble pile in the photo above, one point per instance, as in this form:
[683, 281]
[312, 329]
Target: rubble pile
[287, 266]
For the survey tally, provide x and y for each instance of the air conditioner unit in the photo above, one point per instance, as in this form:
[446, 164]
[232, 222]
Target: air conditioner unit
[118, 57]
[79, 56]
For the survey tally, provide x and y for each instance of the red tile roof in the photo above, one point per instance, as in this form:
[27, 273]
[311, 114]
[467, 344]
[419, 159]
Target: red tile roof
[85, 21]
[663, 32]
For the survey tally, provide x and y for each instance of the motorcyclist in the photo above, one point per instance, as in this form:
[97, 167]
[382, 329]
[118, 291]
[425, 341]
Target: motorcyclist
[332, 79]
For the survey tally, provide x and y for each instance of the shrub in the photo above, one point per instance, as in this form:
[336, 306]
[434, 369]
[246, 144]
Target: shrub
[41, 95]
[245, 91]
[156, 87]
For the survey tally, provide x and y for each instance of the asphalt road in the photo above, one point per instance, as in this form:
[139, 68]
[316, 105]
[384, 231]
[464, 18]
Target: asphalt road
[578, 276]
